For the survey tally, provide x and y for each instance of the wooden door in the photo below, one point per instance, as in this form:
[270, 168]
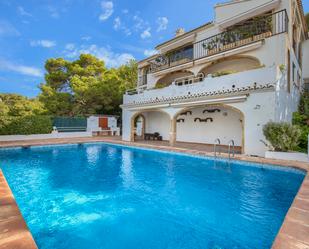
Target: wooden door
[103, 123]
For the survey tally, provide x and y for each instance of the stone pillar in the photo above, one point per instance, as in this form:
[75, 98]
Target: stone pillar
[173, 131]
[127, 125]
[132, 129]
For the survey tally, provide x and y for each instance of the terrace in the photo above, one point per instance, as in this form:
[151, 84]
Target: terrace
[241, 34]
[200, 87]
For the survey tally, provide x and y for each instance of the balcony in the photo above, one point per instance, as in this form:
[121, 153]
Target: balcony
[232, 84]
[250, 31]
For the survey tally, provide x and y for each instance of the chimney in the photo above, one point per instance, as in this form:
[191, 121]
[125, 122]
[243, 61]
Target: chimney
[179, 31]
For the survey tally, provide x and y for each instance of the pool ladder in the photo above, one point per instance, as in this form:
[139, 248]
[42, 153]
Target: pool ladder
[217, 142]
[231, 143]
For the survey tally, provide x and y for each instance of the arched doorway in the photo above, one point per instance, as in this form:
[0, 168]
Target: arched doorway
[169, 78]
[139, 127]
[204, 124]
[150, 122]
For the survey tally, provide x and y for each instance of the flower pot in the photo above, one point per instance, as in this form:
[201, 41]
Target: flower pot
[244, 41]
[262, 36]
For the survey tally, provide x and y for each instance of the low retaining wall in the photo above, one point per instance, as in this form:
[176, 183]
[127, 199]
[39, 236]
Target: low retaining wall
[44, 136]
[292, 156]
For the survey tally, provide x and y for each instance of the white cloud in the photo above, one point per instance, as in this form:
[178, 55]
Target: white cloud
[139, 23]
[146, 33]
[23, 12]
[7, 29]
[127, 31]
[110, 58]
[86, 38]
[125, 11]
[21, 69]
[53, 12]
[70, 46]
[150, 52]
[107, 10]
[117, 23]
[43, 43]
[162, 23]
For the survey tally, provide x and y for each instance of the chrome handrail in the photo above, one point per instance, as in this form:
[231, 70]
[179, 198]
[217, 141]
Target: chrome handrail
[231, 143]
[217, 142]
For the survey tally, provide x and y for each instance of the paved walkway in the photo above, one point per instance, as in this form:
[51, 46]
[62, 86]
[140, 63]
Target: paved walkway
[294, 233]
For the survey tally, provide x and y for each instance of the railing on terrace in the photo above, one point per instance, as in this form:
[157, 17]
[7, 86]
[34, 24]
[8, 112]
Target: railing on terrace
[189, 79]
[163, 61]
[136, 90]
[255, 29]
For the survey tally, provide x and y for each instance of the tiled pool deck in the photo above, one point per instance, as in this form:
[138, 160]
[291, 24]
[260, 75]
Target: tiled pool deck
[294, 232]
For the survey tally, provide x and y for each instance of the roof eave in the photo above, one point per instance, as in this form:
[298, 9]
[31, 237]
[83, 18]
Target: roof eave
[206, 25]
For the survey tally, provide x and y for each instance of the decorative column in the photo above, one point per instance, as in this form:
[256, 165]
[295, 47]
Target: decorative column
[132, 129]
[173, 131]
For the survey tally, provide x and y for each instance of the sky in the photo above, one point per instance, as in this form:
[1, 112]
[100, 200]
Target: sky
[115, 31]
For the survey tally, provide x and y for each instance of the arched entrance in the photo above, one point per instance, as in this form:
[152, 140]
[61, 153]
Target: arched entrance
[204, 124]
[150, 122]
[139, 127]
[169, 78]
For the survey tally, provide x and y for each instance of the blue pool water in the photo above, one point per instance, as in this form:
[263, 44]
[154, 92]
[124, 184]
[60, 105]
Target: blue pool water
[104, 196]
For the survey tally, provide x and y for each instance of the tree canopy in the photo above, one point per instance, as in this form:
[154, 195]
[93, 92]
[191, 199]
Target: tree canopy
[85, 86]
[18, 105]
[307, 20]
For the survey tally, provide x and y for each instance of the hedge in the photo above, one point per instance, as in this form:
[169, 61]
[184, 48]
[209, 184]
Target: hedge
[25, 125]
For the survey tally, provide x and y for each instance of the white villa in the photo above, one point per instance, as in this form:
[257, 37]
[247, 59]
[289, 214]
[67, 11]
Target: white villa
[225, 79]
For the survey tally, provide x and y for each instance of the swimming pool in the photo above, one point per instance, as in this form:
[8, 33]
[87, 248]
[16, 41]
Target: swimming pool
[108, 196]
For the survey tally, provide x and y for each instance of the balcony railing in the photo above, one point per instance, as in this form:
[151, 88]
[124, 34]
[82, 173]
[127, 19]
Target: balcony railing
[250, 31]
[163, 61]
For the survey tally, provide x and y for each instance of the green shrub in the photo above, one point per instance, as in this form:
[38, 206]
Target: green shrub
[304, 105]
[160, 85]
[25, 125]
[222, 73]
[301, 121]
[282, 136]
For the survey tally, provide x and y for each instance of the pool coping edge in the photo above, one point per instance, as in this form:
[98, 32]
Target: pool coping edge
[14, 232]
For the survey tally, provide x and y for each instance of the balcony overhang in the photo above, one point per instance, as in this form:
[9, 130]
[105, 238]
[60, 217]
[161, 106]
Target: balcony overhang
[222, 100]
[173, 69]
[265, 7]
[235, 51]
[178, 43]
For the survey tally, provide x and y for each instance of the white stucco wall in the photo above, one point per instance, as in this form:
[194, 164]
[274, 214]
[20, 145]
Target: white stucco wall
[258, 110]
[226, 125]
[306, 59]
[286, 102]
[93, 123]
[158, 122]
[232, 10]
